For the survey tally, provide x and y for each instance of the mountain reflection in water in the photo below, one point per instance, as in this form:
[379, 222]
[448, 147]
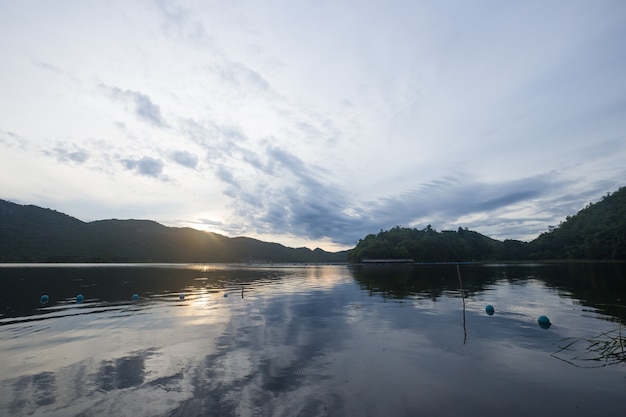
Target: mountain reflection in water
[306, 340]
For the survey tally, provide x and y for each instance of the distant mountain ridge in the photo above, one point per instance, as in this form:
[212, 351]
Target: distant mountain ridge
[33, 234]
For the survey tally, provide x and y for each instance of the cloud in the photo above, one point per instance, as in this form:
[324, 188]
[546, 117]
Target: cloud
[226, 176]
[69, 153]
[209, 222]
[421, 113]
[11, 139]
[185, 159]
[181, 23]
[289, 196]
[241, 77]
[78, 156]
[458, 201]
[144, 107]
[146, 166]
[277, 192]
[49, 67]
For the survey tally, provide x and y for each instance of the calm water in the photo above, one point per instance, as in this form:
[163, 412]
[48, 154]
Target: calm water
[297, 340]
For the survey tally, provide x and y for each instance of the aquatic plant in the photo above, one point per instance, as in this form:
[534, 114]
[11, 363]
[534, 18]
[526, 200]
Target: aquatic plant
[608, 348]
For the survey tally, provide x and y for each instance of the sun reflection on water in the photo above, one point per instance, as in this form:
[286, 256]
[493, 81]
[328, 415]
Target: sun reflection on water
[293, 339]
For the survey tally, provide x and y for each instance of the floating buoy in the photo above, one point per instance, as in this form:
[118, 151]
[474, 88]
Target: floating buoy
[225, 295]
[44, 299]
[490, 310]
[544, 322]
[181, 297]
[135, 297]
[79, 299]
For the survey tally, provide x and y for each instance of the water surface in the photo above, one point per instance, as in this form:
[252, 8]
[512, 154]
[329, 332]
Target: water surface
[310, 340]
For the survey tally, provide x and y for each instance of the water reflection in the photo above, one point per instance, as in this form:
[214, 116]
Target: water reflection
[601, 286]
[303, 341]
[124, 372]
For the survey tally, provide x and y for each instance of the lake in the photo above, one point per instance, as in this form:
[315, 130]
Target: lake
[313, 340]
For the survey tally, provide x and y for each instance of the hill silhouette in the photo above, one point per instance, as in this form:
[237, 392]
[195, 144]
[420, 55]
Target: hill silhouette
[33, 234]
[597, 232]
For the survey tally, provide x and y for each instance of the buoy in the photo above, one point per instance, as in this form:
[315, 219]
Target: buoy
[181, 297]
[225, 295]
[135, 297]
[490, 310]
[79, 299]
[44, 299]
[544, 322]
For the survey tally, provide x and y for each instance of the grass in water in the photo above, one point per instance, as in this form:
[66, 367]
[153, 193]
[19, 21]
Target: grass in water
[608, 348]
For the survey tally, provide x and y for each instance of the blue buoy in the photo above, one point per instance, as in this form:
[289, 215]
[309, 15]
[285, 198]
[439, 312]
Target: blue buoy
[181, 297]
[544, 322]
[490, 310]
[79, 299]
[135, 297]
[225, 295]
[44, 299]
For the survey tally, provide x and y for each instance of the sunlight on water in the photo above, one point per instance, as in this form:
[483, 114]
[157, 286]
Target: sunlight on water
[303, 340]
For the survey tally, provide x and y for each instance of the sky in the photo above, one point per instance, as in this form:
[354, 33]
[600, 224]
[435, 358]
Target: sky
[314, 123]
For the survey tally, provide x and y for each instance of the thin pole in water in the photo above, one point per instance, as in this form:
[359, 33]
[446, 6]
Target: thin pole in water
[458, 272]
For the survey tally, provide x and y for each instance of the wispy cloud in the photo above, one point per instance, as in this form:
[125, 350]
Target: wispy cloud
[11, 139]
[241, 77]
[69, 153]
[275, 191]
[142, 104]
[503, 119]
[305, 206]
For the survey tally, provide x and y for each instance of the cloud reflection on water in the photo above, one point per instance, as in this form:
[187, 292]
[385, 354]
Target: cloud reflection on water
[302, 342]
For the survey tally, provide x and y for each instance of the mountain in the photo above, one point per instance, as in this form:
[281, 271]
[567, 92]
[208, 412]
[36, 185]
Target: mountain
[597, 232]
[34, 234]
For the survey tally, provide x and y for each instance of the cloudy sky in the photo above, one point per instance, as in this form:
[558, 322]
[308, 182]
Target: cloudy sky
[314, 123]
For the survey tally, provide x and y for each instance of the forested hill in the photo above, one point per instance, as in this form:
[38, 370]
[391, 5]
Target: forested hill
[597, 232]
[35, 234]
[429, 245]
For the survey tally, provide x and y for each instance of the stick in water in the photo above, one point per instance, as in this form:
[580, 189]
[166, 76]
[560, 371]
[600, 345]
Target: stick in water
[458, 272]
